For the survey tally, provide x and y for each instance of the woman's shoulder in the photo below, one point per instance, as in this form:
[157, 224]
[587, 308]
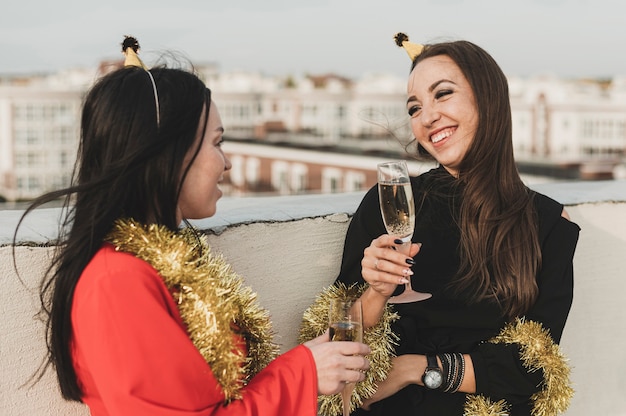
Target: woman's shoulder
[108, 257]
[550, 214]
[110, 267]
[546, 206]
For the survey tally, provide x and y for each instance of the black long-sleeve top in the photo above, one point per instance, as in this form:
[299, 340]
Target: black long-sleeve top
[447, 322]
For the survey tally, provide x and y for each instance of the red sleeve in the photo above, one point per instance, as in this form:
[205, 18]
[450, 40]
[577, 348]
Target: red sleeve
[133, 357]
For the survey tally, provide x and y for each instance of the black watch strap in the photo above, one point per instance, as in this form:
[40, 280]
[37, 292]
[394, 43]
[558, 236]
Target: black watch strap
[431, 361]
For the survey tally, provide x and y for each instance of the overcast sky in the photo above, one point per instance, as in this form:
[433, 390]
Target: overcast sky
[575, 38]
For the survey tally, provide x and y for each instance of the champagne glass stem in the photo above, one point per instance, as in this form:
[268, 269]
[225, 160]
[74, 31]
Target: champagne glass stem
[405, 248]
[409, 295]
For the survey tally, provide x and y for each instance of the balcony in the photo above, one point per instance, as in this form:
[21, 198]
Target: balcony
[289, 248]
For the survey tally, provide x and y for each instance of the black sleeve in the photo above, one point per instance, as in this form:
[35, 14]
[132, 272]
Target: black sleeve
[498, 369]
[366, 225]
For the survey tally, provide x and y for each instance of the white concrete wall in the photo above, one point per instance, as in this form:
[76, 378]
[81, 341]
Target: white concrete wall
[289, 248]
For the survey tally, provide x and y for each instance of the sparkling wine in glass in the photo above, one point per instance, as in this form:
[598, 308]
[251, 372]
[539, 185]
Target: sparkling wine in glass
[345, 321]
[398, 212]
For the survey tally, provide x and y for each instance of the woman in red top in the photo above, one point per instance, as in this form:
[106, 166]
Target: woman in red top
[142, 318]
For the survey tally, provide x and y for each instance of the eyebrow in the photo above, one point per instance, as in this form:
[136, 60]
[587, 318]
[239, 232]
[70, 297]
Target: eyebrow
[430, 89]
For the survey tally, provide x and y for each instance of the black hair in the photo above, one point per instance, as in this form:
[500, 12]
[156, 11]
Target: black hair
[130, 163]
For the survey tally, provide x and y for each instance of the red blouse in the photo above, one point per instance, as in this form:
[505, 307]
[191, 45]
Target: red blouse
[133, 356]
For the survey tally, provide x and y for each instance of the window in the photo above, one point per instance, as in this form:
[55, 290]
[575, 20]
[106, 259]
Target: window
[236, 172]
[299, 177]
[354, 181]
[331, 180]
[253, 170]
[280, 176]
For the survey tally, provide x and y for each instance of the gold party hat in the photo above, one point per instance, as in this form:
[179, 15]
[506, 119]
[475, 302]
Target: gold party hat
[413, 49]
[130, 47]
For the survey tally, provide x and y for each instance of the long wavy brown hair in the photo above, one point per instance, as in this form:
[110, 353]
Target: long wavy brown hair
[500, 252]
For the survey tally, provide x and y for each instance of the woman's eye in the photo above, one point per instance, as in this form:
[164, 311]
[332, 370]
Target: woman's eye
[442, 93]
[413, 109]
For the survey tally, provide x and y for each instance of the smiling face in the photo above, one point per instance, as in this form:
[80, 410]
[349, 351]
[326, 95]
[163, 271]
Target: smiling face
[200, 190]
[443, 110]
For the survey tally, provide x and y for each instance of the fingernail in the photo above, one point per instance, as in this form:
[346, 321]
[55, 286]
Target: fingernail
[410, 261]
[404, 280]
[398, 241]
[419, 245]
[407, 272]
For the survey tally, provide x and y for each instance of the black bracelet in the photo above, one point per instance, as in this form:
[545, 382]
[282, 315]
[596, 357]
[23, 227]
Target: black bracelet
[459, 372]
[446, 361]
[453, 370]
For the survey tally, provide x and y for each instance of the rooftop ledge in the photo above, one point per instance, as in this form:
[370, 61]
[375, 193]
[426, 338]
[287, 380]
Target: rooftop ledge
[289, 248]
[41, 227]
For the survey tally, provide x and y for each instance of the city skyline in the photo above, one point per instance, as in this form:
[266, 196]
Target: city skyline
[571, 39]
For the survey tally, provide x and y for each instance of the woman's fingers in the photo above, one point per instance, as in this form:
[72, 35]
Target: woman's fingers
[337, 363]
[383, 263]
[387, 267]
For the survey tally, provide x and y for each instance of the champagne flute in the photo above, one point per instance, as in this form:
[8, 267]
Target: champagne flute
[345, 321]
[398, 212]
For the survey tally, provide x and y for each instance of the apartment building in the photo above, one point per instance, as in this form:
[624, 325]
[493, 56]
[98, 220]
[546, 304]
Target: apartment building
[39, 121]
[570, 122]
[579, 124]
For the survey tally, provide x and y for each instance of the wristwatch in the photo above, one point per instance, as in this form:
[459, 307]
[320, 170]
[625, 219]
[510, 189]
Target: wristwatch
[433, 376]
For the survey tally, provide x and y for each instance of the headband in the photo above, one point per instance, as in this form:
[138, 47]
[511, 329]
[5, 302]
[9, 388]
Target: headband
[130, 47]
[413, 49]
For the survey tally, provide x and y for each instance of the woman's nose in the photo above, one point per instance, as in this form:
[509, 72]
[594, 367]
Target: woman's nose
[430, 115]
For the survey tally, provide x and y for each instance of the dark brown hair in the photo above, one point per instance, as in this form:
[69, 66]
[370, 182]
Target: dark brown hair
[500, 253]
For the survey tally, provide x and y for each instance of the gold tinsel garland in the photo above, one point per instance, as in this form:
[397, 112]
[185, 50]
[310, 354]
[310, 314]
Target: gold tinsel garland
[478, 405]
[538, 352]
[380, 339]
[212, 301]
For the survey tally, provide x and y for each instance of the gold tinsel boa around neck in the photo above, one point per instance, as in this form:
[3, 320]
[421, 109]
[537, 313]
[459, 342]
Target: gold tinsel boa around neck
[213, 303]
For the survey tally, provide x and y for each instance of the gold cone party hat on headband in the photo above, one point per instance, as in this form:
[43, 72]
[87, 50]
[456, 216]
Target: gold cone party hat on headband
[413, 49]
[130, 47]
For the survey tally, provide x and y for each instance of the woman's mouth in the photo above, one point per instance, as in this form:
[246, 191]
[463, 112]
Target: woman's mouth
[443, 134]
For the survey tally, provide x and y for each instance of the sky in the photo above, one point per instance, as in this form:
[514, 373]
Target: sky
[571, 39]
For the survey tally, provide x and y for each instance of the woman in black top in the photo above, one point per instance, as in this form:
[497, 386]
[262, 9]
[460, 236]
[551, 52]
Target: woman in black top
[496, 256]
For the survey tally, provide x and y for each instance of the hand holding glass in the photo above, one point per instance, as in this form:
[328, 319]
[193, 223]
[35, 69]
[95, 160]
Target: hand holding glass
[345, 321]
[398, 212]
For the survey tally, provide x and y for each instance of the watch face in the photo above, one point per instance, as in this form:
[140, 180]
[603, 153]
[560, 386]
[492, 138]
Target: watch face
[433, 379]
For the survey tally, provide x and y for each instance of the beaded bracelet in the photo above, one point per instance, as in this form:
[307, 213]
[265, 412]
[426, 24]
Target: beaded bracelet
[460, 374]
[454, 371]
